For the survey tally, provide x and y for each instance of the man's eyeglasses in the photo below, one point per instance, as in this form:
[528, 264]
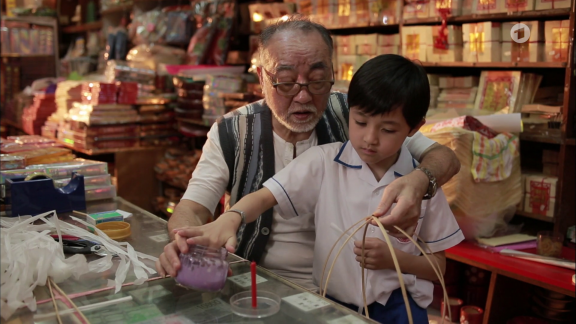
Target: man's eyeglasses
[289, 89]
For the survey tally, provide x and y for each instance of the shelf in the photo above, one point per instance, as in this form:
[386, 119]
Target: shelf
[570, 141]
[364, 29]
[498, 65]
[109, 151]
[513, 16]
[83, 28]
[26, 55]
[535, 216]
[116, 9]
[551, 136]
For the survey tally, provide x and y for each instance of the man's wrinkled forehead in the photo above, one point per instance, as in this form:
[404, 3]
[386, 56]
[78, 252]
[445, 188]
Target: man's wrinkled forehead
[291, 50]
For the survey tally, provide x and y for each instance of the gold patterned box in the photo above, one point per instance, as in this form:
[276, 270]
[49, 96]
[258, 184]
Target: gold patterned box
[420, 9]
[540, 194]
[488, 6]
[415, 41]
[552, 4]
[455, 7]
[385, 12]
[453, 50]
[482, 42]
[366, 44]
[349, 64]
[556, 35]
[532, 50]
[518, 5]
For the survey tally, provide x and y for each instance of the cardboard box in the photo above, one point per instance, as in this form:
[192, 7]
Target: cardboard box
[530, 51]
[453, 52]
[458, 82]
[388, 40]
[415, 41]
[488, 6]
[482, 42]
[536, 205]
[382, 50]
[556, 34]
[455, 7]
[346, 45]
[366, 44]
[552, 4]
[518, 5]
[541, 185]
[467, 7]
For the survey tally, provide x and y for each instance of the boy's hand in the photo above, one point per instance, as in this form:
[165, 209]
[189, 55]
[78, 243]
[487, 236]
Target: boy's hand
[376, 253]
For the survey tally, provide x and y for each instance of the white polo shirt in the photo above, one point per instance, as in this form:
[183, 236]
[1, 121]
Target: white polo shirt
[289, 252]
[332, 184]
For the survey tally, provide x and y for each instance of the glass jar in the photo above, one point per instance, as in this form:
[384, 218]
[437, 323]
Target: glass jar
[203, 268]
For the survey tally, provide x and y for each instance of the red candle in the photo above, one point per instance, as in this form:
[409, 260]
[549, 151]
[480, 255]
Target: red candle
[253, 272]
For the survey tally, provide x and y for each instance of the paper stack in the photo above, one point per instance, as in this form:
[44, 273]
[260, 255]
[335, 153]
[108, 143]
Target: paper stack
[433, 80]
[415, 41]
[497, 90]
[416, 9]
[457, 92]
[34, 116]
[450, 52]
[454, 7]
[388, 44]
[518, 5]
[482, 42]
[540, 195]
[557, 40]
[531, 50]
[488, 6]
[96, 93]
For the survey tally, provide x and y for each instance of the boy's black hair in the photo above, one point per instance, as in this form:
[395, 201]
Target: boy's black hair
[389, 82]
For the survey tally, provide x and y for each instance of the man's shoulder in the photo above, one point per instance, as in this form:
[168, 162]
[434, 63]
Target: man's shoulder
[252, 108]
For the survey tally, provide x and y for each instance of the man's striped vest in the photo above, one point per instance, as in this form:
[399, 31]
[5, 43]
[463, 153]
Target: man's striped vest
[248, 147]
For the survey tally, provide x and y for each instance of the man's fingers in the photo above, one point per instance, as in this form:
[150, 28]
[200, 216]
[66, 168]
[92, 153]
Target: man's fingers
[181, 243]
[388, 198]
[231, 244]
[188, 232]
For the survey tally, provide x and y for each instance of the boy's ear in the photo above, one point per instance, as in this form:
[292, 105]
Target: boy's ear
[417, 127]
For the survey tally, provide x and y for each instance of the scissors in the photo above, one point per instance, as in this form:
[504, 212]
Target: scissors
[79, 246]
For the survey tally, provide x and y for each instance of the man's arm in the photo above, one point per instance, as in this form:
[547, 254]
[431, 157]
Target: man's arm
[188, 213]
[441, 161]
[407, 192]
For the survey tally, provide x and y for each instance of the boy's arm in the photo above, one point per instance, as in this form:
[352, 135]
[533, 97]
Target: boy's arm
[222, 232]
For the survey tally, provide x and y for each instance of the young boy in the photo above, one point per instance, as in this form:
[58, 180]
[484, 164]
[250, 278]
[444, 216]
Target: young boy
[340, 183]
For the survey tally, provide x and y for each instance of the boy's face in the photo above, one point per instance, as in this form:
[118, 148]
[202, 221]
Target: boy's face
[378, 138]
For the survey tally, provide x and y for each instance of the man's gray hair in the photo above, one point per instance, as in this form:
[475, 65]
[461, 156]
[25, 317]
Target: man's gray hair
[295, 22]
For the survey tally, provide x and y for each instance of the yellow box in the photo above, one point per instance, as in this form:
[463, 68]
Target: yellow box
[530, 51]
[556, 35]
[482, 42]
[415, 41]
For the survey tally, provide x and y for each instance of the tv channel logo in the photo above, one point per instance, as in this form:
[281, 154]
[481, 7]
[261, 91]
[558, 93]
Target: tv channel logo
[520, 33]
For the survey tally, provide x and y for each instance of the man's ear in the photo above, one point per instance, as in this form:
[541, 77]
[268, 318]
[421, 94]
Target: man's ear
[417, 127]
[259, 71]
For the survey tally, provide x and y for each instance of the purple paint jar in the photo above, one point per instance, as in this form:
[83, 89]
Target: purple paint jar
[203, 268]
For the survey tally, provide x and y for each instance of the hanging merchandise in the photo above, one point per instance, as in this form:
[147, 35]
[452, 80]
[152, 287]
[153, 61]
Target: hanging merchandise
[210, 42]
[180, 24]
[148, 27]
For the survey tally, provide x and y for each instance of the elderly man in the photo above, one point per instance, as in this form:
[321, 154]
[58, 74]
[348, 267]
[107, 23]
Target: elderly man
[248, 146]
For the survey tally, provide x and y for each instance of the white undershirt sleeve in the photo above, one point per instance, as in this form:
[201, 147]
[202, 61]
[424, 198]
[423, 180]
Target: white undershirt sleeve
[418, 144]
[210, 178]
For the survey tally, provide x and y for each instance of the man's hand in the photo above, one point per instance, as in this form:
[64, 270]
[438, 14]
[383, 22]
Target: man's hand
[169, 263]
[376, 254]
[221, 232]
[407, 192]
